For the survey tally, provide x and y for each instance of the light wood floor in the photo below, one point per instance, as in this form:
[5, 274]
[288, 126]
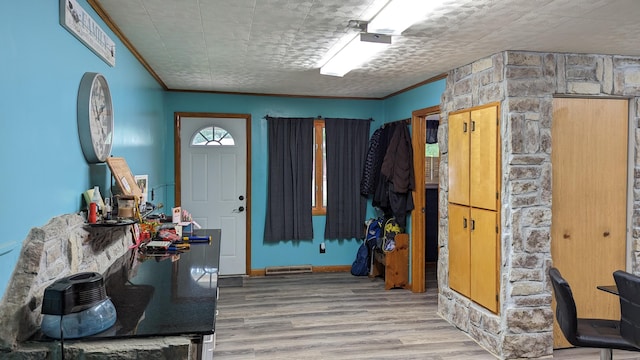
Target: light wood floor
[340, 316]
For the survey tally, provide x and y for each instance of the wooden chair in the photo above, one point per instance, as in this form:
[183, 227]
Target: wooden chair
[583, 332]
[629, 293]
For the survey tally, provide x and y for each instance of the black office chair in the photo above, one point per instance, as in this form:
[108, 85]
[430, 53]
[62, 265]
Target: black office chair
[593, 333]
[629, 292]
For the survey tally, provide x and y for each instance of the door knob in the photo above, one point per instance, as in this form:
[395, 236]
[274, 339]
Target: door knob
[240, 197]
[241, 209]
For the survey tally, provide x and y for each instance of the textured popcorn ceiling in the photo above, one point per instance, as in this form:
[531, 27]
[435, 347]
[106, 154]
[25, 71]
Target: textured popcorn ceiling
[274, 46]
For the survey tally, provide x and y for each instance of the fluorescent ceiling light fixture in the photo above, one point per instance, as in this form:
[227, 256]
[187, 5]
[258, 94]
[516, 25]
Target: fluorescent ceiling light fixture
[359, 50]
[399, 15]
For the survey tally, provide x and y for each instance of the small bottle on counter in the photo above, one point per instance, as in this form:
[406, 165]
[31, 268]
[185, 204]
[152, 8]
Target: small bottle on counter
[93, 213]
[95, 199]
[106, 213]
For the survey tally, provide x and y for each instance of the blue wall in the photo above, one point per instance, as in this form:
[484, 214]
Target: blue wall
[339, 252]
[44, 171]
[401, 105]
[285, 253]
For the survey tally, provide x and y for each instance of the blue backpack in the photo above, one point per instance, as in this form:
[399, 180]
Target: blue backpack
[360, 266]
[374, 233]
[362, 263]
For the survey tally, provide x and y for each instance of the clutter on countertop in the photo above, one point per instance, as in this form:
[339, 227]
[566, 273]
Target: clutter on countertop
[153, 234]
[156, 238]
[184, 221]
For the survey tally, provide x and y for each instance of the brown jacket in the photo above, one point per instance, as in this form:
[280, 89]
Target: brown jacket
[397, 165]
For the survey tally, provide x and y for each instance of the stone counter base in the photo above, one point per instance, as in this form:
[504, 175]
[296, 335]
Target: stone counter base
[160, 348]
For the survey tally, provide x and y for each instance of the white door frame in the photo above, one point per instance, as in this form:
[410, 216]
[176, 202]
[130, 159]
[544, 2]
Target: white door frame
[177, 118]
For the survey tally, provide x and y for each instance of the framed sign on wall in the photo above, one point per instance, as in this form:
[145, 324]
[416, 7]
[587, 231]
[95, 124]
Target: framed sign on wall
[82, 26]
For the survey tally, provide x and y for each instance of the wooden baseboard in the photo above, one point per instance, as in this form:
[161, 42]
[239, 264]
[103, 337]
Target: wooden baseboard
[334, 268]
[316, 269]
[257, 272]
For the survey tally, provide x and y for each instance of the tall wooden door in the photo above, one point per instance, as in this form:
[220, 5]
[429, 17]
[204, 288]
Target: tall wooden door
[589, 201]
[418, 224]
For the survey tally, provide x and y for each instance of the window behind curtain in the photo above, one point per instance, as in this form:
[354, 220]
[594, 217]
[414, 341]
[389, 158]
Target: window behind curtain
[319, 187]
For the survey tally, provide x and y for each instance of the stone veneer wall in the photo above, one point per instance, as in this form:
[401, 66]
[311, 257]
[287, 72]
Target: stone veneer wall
[524, 83]
[63, 247]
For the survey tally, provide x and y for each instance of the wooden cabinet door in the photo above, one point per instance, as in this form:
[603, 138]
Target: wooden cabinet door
[483, 153]
[459, 158]
[484, 258]
[459, 249]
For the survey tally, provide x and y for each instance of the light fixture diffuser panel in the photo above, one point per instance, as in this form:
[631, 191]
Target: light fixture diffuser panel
[398, 15]
[355, 53]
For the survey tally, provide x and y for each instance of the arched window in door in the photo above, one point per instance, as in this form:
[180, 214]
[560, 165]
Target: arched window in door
[212, 136]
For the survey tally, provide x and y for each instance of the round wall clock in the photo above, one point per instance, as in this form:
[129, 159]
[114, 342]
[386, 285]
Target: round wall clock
[95, 117]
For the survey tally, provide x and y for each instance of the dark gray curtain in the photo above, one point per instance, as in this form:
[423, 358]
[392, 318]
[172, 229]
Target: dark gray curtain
[347, 142]
[289, 179]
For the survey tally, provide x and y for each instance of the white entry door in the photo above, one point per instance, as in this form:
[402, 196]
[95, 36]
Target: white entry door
[213, 162]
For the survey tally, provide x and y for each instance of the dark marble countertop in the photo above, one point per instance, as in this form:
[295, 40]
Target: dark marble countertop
[164, 294]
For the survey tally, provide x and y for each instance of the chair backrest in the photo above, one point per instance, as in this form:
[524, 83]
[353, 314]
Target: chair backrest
[629, 293]
[566, 312]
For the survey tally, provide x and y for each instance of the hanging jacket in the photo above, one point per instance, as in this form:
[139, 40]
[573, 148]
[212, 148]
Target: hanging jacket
[397, 165]
[394, 195]
[375, 154]
[432, 131]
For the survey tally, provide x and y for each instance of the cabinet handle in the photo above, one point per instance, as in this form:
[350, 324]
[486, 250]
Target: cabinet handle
[464, 223]
[473, 225]
[473, 126]
[464, 126]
